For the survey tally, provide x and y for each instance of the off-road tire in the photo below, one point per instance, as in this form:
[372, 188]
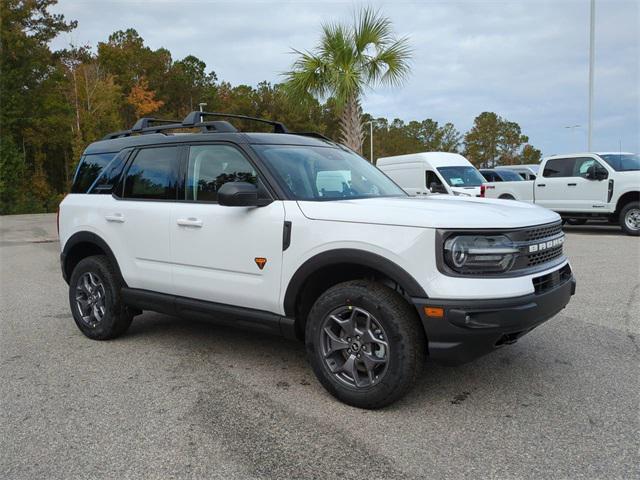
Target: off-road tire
[117, 317]
[404, 333]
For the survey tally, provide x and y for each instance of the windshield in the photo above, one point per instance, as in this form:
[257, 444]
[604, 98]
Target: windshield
[462, 176]
[326, 173]
[509, 176]
[622, 162]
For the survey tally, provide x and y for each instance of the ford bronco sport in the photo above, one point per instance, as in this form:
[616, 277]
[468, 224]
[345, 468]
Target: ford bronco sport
[297, 235]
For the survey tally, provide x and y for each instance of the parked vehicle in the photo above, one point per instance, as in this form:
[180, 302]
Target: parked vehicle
[582, 186]
[295, 235]
[500, 175]
[433, 172]
[526, 171]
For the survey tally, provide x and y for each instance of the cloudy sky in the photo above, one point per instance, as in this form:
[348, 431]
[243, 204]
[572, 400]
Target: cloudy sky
[526, 60]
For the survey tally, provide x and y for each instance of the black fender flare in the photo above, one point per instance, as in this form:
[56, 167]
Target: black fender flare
[88, 237]
[353, 256]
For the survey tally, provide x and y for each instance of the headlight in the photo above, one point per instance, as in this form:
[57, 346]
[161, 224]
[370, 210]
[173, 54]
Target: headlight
[461, 194]
[479, 253]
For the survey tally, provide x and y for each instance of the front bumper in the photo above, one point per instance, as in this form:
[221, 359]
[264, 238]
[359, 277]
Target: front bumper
[472, 328]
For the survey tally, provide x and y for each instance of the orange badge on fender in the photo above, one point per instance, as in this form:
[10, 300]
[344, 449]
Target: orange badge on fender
[261, 262]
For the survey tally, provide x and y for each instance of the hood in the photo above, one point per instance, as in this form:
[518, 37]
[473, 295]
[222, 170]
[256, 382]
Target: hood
[471, 191]
[433, 211]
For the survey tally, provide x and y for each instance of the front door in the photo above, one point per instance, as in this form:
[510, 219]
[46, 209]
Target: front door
[588, 193]
[228, 255]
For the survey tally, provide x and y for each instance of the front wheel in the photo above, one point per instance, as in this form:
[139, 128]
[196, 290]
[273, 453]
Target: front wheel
[630, 218]
[365, 343]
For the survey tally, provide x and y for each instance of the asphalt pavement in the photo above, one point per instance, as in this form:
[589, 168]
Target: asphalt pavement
[181, 399]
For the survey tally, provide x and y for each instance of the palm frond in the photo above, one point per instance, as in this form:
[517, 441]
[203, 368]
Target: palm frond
[391, 65]
[371, 28]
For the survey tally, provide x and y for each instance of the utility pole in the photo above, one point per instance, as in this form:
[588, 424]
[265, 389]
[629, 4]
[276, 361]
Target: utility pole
[592, 34]
[202, 105]
[371, 140]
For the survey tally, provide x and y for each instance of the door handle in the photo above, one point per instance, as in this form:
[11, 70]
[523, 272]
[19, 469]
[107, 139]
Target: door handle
[190, 222]
[116, 217]
[541, 185]
[571, 184]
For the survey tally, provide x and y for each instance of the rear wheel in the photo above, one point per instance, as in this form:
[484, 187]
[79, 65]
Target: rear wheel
[365, 343]
[95, 300]
[630, 218]
[506, 196]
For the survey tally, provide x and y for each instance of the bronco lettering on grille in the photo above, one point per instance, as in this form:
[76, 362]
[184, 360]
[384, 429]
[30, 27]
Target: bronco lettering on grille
[537, 247]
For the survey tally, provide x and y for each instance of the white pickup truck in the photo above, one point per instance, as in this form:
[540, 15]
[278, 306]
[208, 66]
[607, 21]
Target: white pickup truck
[582, 186]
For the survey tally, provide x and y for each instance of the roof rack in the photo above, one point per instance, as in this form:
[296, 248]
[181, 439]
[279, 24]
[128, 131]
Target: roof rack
[146, 122]
[144, 125]
[195, 118]
[147, 125]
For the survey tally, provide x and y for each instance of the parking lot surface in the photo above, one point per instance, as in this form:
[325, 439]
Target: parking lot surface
[180, 399]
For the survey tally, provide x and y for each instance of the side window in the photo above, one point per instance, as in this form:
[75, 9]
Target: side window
[432, 178]
[523, 175]
[582, 165]
[211, 166]
[559, 167]
[89, 168]
[108, 179]
[152, 175]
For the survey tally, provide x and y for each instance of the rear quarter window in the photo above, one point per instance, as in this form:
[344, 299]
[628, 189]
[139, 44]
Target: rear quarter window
[88, 170]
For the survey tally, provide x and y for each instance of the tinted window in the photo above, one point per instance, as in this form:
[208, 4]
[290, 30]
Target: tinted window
[110, 175]
[560, 167]
[152, 174]
[88, 170]
[211, 166]
[325, 173]
[623, 162]
[488, 176]
[509, 176]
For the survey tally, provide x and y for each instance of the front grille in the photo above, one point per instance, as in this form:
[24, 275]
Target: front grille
[551, 280]
[545, 256]
[543, 232]
[538, 246]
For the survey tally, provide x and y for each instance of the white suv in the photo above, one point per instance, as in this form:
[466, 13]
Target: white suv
[254, 230]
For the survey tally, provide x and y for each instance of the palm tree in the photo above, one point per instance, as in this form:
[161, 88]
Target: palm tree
[348, 60]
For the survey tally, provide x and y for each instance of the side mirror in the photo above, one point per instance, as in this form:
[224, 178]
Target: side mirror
[239, 194]
[437, 188]
[596, 172]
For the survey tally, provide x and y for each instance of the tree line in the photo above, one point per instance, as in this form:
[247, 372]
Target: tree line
[54, 103]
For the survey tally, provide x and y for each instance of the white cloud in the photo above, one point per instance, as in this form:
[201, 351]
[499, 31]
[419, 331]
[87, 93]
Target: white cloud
[526, 60]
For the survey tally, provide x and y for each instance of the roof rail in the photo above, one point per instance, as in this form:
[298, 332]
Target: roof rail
[313, 135]
[194, 119]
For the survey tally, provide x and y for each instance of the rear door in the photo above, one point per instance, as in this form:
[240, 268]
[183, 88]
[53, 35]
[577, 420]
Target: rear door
[228, 255]
[551, 189]
[139, 218]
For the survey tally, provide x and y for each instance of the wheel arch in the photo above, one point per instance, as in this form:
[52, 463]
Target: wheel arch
[626, 198]
[331, 267]
[84, 244]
